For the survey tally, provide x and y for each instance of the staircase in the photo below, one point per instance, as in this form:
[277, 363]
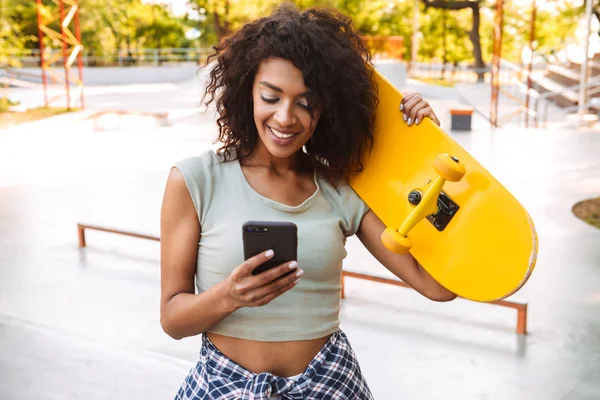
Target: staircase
[559, 77]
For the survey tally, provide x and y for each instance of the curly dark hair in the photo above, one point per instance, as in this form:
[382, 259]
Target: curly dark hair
[334, 61]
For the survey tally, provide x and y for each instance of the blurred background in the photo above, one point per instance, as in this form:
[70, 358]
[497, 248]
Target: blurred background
[99, 98]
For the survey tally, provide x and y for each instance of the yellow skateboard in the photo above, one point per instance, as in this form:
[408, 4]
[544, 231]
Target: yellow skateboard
[443, 207]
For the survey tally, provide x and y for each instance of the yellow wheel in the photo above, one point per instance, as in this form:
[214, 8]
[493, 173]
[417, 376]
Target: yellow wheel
[449, 168]
[395, 242]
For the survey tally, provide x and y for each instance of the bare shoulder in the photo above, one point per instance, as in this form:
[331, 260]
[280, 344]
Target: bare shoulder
[179, 233]
[177, 200]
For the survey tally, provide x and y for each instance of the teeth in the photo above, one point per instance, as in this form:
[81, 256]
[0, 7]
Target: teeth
[281, 135]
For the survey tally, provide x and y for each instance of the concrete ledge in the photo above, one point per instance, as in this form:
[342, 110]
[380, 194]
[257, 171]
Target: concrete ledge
[573, 120]
[110, 120]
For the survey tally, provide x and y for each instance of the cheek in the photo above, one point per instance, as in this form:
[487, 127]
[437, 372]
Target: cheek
[260, 114]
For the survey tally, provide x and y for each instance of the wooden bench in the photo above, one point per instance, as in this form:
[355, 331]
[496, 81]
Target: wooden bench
[520, 306]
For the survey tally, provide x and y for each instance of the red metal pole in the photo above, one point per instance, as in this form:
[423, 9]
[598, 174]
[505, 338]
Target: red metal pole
[80, 55]
[529, 67]
[42, 60]
[65, 54]
[498, 22]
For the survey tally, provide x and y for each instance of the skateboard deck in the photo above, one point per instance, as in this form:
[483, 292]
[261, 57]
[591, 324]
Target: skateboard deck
[475, 238]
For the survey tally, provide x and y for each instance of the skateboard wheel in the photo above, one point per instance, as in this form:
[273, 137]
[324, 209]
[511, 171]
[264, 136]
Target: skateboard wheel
[395, 242]
[449, 168]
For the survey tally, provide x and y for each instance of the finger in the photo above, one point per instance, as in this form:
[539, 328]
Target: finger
[434, 118]
[277, 284]
[422, 113]
[406, 98]
[273, 295]
[265, 278]
[246, 285]
[410, 103]
[426, 112]
[412, 113]
[246, 268]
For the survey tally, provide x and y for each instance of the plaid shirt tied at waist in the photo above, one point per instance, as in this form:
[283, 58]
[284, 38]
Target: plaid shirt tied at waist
[332, 374]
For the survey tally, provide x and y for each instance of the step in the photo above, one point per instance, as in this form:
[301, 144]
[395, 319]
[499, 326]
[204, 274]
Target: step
[563, 75]
[576, 66]
[543, 85]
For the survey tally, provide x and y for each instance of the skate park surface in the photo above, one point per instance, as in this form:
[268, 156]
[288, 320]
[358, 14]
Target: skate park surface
[84, 323]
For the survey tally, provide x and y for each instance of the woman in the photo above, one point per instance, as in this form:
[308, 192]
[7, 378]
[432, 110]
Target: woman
[297, 103]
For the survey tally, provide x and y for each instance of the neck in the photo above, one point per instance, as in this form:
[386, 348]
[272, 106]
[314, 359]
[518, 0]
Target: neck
[298, 162]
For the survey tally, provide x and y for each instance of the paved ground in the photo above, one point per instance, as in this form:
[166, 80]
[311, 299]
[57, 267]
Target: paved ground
[84, 323]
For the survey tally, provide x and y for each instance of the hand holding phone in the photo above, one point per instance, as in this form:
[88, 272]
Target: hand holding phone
[245, 289]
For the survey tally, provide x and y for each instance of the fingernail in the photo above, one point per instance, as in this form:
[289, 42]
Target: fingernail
[404, 117]
[296, 281]
[417, 121]
[299, 273]
[401, 106]
[269, 253]
[293, 265]
[409, 121]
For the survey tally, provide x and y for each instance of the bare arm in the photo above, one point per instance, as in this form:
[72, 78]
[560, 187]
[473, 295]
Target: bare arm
[404, 266]
[184, 313]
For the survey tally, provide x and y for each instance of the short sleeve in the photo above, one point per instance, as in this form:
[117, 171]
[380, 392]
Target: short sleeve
[354, 209]
[198, 173]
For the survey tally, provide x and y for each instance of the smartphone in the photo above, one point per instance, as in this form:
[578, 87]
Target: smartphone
[281, 237]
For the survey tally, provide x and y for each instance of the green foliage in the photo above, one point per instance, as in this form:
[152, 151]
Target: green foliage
[6, 104]
[445, 35]
[13, 38]
[555, 26]
[113, 26]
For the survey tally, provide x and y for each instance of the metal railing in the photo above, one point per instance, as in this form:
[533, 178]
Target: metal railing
[461, 72]
[121, 58]
[545, 99]
[540, 102]
[466, 73]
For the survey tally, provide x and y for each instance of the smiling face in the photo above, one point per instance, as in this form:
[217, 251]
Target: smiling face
[281, 114]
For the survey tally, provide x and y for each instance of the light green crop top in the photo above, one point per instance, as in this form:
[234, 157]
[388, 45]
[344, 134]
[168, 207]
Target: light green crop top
[225, 200]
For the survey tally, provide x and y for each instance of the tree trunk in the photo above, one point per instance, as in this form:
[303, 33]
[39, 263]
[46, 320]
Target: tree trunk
[476, 40]
[221, 23]
[474, 34]
[445, 46]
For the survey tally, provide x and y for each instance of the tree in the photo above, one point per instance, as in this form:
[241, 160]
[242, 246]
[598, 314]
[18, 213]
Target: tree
[161, 30]
[225, 16]
[474, 34]
[13, 39]
[446, 36]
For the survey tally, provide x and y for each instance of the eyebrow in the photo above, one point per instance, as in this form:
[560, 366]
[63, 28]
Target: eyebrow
[280, 90]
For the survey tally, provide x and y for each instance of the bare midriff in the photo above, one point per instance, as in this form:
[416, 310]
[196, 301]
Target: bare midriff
[279, 358]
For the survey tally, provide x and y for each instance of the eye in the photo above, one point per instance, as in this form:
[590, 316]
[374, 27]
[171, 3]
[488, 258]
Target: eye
[269, 100]
[305, 106]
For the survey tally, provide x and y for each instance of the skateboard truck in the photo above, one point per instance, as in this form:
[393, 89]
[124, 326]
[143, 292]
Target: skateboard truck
[430, 203]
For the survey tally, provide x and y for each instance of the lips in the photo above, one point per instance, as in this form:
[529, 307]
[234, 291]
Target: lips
[282, 135]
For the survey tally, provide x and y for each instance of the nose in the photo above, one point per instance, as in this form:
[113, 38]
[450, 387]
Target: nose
[285, 116]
